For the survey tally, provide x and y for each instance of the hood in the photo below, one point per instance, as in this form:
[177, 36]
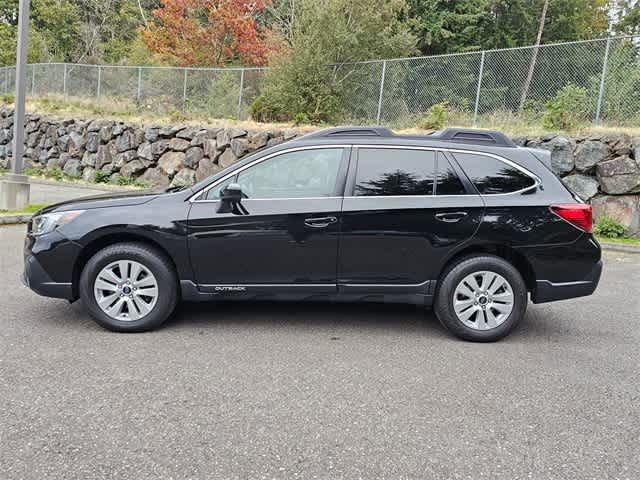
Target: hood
[116, 199]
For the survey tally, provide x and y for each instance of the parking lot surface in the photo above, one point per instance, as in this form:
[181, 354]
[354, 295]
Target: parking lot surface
[319, 390]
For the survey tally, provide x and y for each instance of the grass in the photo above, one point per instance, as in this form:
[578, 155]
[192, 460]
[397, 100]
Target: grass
[33, 208]
[110, 109]
[114, 109]
[631, 241]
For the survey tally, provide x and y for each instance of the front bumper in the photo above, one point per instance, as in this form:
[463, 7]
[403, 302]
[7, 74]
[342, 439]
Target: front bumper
[546, 291]
[39, 281]
[49, 265]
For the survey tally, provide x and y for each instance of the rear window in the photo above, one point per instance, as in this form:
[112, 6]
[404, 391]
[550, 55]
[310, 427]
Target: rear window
[392, 172]
[492, 176]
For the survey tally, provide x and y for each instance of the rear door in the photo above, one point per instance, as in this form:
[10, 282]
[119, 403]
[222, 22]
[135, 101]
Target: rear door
[405, 209]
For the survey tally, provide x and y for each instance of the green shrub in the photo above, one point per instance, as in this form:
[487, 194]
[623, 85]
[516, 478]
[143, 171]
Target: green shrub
[101, 177]
[54, 173]
[609, 227]
[567, 109]
[436, 117]
[301, 118]
[33, 172]
[265, 109]
[8, 98]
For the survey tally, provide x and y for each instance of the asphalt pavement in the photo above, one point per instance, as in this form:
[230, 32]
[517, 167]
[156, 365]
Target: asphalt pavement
[308, 391]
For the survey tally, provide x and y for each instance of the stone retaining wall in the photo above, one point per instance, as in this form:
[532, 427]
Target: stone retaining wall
[602, 168]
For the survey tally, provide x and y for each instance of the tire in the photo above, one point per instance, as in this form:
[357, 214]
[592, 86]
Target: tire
[134, 307]
[491, 318]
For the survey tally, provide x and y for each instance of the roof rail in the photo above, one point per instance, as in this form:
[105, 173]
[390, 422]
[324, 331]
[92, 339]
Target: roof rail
[458, 135]
[350, 132]
[472, 135]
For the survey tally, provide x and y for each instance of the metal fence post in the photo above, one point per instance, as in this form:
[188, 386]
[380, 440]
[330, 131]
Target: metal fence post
[602, 80]
[184, 90]
[99, 82]
[64, 81]
[33, 80]
[139, 89]
[475, 110]
[384, 71]
[240, 94]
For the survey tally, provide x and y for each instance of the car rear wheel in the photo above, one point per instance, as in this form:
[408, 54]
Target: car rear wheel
[481, 298]
[129, 287]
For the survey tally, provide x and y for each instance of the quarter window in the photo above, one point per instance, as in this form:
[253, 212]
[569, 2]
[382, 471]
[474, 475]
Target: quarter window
[447, 181]
[392, 172]
[492, 176]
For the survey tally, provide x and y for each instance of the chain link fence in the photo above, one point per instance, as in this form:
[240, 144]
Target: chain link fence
[480, 88]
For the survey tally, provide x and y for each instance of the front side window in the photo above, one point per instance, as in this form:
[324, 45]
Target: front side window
[300, 174]
[492, 176]
[392, 172]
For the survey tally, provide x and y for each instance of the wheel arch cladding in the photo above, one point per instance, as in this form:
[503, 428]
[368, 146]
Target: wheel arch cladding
[109, 239]
[511, 255]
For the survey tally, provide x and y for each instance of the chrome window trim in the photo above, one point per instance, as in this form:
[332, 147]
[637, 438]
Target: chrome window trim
[194, 197]
[536, 180]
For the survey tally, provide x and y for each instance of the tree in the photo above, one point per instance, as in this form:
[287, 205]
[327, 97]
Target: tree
[445, 26]
[532, 65]
[628, 16]
[515, 23]
[307, 81]
[208, 32]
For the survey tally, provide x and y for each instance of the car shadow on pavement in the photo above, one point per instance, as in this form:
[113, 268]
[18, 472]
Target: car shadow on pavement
[314, 314]
[538, 324]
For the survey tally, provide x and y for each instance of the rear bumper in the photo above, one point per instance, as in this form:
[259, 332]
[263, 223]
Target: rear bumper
[546, 291]
[39, 281]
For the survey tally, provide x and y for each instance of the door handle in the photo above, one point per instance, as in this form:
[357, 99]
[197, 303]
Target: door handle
[320, 222]
[451, 217]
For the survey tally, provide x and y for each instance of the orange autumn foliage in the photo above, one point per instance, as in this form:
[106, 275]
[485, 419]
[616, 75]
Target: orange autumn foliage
[209, 32]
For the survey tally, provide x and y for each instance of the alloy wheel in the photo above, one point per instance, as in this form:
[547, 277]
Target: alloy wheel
[126, 290]
[483, 300]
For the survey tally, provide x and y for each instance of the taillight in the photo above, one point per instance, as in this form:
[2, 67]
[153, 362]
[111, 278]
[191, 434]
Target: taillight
[577, 214]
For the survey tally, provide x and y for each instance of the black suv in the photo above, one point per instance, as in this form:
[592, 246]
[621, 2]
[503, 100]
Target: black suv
[463, 220]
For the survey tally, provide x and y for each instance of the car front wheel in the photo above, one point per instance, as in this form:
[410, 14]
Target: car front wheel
[481, 298]
[129, 287]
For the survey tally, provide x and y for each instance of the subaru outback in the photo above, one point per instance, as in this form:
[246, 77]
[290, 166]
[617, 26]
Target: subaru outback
[461, 220]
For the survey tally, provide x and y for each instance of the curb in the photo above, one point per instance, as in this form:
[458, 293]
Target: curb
[616, 247]
[83, 185]
[13, 219]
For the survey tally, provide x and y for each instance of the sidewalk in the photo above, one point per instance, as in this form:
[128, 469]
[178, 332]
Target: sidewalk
[48, 191]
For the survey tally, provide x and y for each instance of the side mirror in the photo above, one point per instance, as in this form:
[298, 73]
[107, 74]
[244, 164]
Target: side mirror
[232, 193]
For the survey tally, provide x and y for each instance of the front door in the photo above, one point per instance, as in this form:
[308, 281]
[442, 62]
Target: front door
[283, 236]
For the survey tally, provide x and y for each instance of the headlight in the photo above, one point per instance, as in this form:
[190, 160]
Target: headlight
[48, 222]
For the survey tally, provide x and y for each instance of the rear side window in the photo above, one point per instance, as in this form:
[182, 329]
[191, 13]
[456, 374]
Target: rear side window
[393, 172]
[492, 176]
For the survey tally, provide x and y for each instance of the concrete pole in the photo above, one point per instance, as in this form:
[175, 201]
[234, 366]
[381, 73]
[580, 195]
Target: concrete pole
[14, 187]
